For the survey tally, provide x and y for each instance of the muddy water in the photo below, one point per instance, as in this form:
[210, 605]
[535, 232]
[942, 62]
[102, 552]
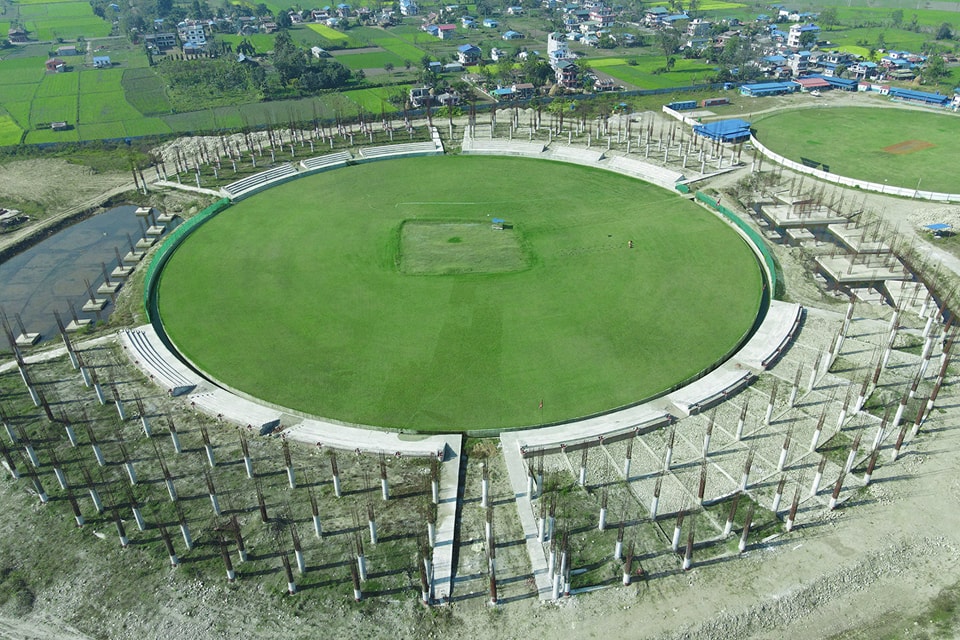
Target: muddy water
[50, 276]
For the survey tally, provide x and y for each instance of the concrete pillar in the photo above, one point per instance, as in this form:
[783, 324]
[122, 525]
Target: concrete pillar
[171, 489]
[131, 474]
[675, 542]
[71, 434]
[817, 477]
[362, 567]
[187, 538]
[145, 423]
[210, 459]
[215, 503]
[317, 528]
[138, 517]
[248, 465]
[603, 519]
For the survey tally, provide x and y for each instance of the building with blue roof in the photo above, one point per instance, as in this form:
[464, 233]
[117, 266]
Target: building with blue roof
[729, 131]
[923, 97]
[768, 89]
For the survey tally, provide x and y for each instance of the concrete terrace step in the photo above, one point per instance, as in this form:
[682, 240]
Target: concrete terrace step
[576, 155]
[643, 170]
[329, 161]
[773, 336]
[224, 405]
[711, 389]
[151, 356]
[398, 150]
[258, 181]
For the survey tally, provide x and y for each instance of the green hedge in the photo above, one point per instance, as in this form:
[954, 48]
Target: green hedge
[772, 267]
[166, 250]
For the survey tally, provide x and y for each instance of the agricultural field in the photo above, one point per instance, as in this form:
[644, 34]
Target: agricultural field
[367, 59]
[48, 21]
[460, 343]
[903, 148]
[642, 74]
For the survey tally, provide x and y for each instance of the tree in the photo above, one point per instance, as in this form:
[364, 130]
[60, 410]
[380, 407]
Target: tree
[896, 18]
[945, 32]
[388, 67]
[808, 38]
[934, 70]
[289, 60]
[164, 7]
[828, 16]
[840, 70]
[283, 20]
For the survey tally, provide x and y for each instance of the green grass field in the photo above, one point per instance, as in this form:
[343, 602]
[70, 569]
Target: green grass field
[300, 296]
[373, 60]
[851, 140]
[684, 73]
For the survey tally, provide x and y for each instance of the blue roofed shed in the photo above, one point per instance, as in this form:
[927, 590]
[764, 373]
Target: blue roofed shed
[734, 130]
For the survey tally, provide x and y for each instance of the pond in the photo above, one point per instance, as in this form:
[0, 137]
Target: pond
[53, 274]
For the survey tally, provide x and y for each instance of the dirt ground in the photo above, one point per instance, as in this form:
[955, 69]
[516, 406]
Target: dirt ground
[886, 565]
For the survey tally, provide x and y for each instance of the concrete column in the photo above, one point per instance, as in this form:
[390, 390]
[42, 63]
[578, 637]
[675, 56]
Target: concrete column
[210, 459]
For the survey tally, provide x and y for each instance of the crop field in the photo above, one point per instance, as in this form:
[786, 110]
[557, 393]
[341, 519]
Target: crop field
[53, 109]
[143, 89]
[903, 148]
[328, 33]
[438, 331]
[101, 80]
[10, 132]
[685, 72]
[21, 71]
[58, 85]
[374, 100]
[372, 60]
[106, 107]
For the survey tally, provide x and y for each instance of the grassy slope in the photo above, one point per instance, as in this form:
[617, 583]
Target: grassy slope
[851, 142]
[294, 295]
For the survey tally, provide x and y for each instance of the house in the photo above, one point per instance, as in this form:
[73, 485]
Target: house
[67, 50]
[409, 8]
[161, 41]
[55, 65]
[557, 48]
[435, 66]
[432, 29]
[468, 22]
[446, 31]
[295, 17]
[497, 54]
[59, 126]
[452, 67]
[795, 36]
[16, 35]
[192, 32]
[674, 18]
[420, 96]
[512, 35]
[503, 94]
[865, 69]
[654, 16]
[490, 23]
[799, 62]
[318, 52]
[343, 10]
[514, 11]
[468, 54]
[602, 16]
[448, 99]
[566, 73]
[699, 28]
[524, 90]
[603, 84]
[101, 62]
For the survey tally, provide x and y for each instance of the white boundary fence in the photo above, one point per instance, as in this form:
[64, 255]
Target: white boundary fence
[851, 182]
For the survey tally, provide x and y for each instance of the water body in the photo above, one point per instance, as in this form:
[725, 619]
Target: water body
[50, 276]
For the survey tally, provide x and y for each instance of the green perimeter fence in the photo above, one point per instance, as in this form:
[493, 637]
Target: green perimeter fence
[165, 251]
[776, 278]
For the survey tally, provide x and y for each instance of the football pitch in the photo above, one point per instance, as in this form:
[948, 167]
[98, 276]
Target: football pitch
[899, 147]
[386, 294]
